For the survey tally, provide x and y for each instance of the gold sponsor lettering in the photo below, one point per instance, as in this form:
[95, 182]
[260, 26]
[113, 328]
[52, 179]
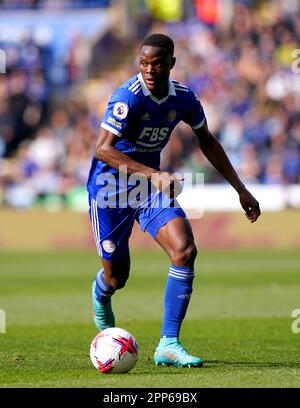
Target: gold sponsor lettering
[114, 122]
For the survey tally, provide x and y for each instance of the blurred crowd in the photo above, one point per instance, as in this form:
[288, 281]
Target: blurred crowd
[42, 4]
[245, 73]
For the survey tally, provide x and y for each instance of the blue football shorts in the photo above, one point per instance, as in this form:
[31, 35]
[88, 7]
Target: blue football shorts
[112, 226]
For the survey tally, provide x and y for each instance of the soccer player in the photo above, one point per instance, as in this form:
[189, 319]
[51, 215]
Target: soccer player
[138, 122]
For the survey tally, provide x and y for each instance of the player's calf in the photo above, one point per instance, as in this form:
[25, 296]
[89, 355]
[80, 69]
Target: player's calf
[102, 308]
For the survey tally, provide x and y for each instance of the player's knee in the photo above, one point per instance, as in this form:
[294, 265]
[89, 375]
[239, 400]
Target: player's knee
[118, 281]
[184, 256]
[120, 284]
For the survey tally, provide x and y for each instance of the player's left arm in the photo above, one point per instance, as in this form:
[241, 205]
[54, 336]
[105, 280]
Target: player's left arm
[215, 153]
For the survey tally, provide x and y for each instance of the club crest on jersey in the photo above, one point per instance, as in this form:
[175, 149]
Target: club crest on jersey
[120, 110]
[172, 115]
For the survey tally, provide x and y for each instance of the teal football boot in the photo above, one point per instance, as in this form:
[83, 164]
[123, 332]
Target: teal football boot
[103, 313]
[171, 352]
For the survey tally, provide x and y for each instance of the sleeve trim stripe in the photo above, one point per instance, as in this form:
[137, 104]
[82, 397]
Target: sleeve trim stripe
[181, 89]
[199, 125]
[181, 86]
[135, 87]
[134, 84]
[136, 91]
[111, 129]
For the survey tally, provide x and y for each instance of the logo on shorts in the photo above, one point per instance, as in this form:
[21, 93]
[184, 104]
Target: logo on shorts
[108, 246]
[120, 110]
[187, 296]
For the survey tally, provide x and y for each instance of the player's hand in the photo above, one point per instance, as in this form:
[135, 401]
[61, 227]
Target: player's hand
[250, 205]
[168, 183]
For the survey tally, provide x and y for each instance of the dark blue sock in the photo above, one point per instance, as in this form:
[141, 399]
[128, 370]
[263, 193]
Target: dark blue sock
[177, 296]
[103, 291]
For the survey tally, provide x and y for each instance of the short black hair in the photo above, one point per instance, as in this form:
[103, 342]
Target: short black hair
[160, 40]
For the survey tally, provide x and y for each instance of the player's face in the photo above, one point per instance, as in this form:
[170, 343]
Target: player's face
[155, 66]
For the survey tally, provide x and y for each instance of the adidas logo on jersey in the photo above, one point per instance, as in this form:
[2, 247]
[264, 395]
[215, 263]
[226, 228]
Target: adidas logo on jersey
[145, 116]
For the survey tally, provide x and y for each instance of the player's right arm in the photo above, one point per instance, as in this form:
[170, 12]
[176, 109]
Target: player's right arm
[108, 153]
[122, 110]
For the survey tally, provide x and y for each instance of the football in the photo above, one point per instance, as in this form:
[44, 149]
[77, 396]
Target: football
[114, 350]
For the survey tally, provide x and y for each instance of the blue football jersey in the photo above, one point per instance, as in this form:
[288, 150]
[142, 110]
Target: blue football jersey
[144, 124]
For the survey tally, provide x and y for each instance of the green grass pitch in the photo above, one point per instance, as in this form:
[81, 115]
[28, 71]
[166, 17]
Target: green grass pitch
[239, 320]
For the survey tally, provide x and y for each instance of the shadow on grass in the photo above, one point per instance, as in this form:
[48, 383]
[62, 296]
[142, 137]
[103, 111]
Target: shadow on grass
[214, 363]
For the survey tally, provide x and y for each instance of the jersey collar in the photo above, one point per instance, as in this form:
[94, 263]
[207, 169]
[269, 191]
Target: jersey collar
[146, 91]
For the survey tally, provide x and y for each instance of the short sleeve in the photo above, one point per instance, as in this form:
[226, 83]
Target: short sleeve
[194, 115]
[118, 112]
